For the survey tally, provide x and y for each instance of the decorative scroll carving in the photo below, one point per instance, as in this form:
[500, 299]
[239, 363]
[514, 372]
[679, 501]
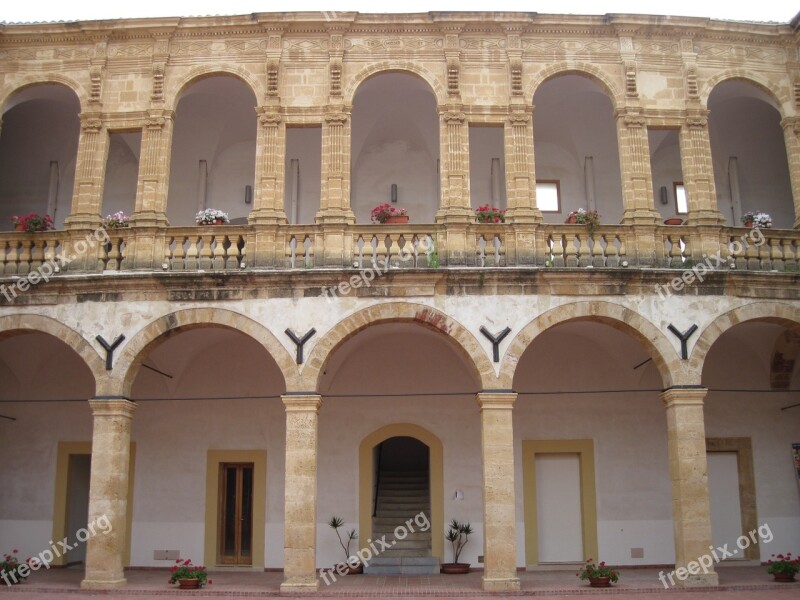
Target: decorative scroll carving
[455, 117]
[269, 119]
[630, 80]
[519, 118]
[96, 79]
[336, 118]
[272, 77]
[91, 124]
[697, 122]
[154, 122]
[452, 76]
[796, 89]
[516, 77]
[692, 89]
[157, 94]
[336, 77]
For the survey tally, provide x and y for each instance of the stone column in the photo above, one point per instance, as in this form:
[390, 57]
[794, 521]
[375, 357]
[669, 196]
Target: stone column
[153, 185]
[499, 506]
[270, 165]
[87, 195]
[637, 178]
[791, 134]
[300, 489]
[335, 200]
[454, 148]
[691, 511]
[698, 170]
[108, 492]
[520, 168]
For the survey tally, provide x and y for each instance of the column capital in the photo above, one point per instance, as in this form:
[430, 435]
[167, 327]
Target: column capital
[631, 117]
[791, 124]
[112, 406]
[91, 122]
[302, 402]
[496, 400]
[268, 116]
[683, 396]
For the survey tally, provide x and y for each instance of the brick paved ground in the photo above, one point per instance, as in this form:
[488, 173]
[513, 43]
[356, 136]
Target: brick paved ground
[736, 583]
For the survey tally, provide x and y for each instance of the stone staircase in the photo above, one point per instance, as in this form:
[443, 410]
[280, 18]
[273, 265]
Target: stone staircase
[401, 496]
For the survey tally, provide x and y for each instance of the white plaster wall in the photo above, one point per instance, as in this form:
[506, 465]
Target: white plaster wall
[665, 163]
[304, 144]
[574, 119]
[395, 139]
[122, 173]
[215, 121]
[486, 143]
[42, 127]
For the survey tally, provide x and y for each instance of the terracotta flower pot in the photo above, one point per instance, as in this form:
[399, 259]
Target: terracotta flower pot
[783, 577]
[454, 568]
[188, 584]
[673, 221]
[748, 224]
[600, 582]
[401, 219]
[19, 227]
[571, 220]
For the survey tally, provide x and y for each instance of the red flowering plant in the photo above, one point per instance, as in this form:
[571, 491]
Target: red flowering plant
[32, 223]
[783, 563]
[490, 214]
[595, 571]
[383, 212]
[13, 571]
[184, 569]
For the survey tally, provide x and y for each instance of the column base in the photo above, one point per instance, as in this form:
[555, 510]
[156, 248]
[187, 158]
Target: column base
[82, 221]
[103, 584]
[299, 587]
[506, 584]
[524, 216]
[335, 216]
[642, 216]
[457, 216]
[149, 218]
[699, 580]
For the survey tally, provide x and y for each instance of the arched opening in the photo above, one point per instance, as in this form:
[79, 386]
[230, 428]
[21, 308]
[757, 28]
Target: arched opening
[213, 150]
[752, 380]
[209, 399]
[395, 146]
[575, 147]
[751, 170]
[38, 149]
[588, 398]
[46, 423]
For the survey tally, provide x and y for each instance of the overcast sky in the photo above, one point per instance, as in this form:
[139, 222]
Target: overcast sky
[61, 10]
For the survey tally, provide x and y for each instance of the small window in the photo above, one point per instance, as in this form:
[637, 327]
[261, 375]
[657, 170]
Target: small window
[548, 195]
[681, 201]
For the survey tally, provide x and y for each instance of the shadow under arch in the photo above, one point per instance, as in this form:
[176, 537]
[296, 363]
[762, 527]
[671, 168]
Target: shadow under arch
[173, 94]
[769, 312]
[587, 70]
[366, 468]
[399, 312]
[395, 66]
[658, 346]
[27, 83]
[747, 77]
[15, 324]
[154, 333]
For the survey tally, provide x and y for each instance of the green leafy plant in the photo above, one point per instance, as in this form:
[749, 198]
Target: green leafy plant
[490, 214]
[336, 523]
[458, 536]
[590, 218]
[12, 568]
[184, 569]
[783, 564]
[595, 571]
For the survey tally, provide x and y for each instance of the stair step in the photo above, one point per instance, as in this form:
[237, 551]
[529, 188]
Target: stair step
[403, 565]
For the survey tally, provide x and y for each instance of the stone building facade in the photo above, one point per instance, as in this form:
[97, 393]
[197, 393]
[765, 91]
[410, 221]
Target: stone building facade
[619, 391]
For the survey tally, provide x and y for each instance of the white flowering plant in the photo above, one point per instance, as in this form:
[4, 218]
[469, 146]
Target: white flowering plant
[116, 221]
[210, 216]
[757, 219]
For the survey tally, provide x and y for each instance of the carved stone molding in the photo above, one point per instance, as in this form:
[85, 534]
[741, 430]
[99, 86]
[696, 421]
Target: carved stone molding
[269, 118]
[336, 118]
[792, 124]
[519, 118]
[454, 116]
[91, 123]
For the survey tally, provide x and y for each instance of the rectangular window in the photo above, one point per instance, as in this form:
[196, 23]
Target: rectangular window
[682, 204]
[548, 195]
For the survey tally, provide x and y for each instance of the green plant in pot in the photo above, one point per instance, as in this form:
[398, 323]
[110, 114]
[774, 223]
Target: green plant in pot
[458, 536]
[351, 564]
[187, 575]
[599, 575]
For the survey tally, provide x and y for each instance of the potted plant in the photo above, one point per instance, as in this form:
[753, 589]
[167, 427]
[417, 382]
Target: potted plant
[32, 223]
[188, 575]
[386, 213]
[211, 216]
[673, 221]
[757, 220]
[116, 221]
[590, 218]
[13, 571]
[490, 214]
[350, 566]
[458, 536]
[784, 567]
[599, 575]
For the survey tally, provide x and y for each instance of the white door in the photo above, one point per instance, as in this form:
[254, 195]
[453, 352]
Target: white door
[558, 508]
[723, 490]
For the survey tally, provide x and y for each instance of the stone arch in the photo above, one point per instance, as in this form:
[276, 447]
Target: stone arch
[604, 79]
[436, 475]
[394, 66]
[658, 346]
[389, 312]
[748, 77]
[173, 93]
[771, 312]
[136, 350]
[40, 79]
[11, 324]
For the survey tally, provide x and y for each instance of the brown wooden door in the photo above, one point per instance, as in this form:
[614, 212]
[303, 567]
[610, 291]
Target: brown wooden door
[236, 514]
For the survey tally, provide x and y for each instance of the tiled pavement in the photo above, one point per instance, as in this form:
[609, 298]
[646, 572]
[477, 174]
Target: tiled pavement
[736, 583]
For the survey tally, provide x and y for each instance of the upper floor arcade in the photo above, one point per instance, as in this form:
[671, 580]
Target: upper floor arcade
[297, 126]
